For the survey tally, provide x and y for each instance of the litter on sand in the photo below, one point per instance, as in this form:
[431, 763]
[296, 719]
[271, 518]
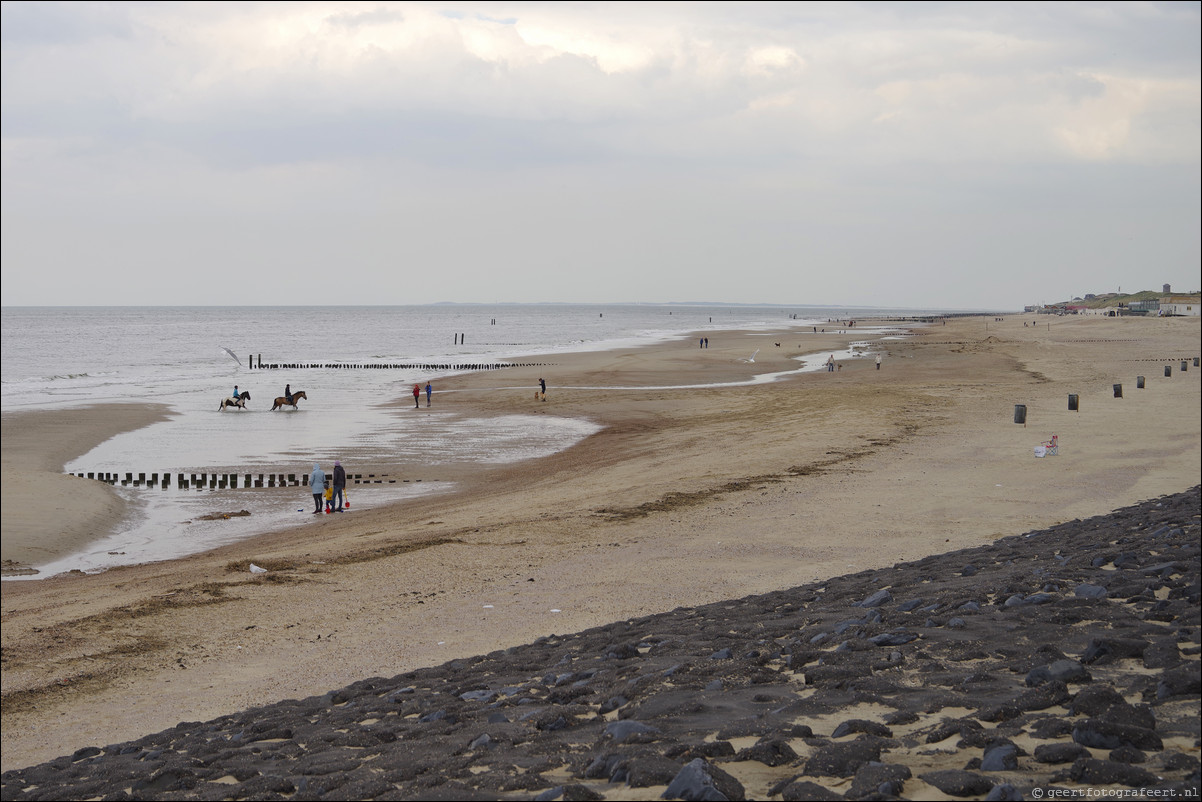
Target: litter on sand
[254, 569]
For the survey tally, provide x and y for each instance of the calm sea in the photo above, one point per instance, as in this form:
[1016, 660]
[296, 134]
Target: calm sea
[188, 358]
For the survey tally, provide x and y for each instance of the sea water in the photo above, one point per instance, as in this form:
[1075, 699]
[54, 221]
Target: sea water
[189, 358]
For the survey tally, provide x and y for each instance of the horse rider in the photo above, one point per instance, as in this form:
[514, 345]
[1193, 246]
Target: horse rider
[288, 393]
[236, 394]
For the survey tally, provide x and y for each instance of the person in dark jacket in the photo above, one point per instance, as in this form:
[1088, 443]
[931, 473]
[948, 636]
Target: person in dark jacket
[339, 486]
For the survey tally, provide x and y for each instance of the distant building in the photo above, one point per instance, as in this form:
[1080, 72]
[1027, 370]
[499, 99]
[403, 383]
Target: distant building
[1181, 305]
[1144, 307]
[1167, 289]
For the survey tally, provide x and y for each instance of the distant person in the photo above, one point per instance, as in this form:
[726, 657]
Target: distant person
[417, 394]
[317, 486]
[542, 389]
[288, 393]
[830, 364]
[338, 495]
[236, 393]
[878, 361]
[429, 392]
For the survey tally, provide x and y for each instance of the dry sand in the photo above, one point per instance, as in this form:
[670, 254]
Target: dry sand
[685, 497]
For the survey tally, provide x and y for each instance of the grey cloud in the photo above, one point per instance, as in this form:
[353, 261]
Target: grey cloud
[923, 149]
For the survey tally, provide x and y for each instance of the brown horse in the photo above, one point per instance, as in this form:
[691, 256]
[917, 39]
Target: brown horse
[296, 396]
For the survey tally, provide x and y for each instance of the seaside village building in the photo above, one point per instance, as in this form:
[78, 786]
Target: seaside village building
[1180, 305]
[1167, 305]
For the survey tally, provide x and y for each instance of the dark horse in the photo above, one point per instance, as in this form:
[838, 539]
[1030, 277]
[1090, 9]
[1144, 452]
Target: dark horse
[296, 396]
[238, 401]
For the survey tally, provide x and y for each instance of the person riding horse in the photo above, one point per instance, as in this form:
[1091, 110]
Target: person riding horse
[282, 401]
[239, 400]
[288, 392]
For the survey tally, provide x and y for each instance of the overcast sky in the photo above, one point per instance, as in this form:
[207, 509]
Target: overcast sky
[970, 156]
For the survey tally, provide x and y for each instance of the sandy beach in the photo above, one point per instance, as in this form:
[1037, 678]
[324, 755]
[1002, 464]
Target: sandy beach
[46, 513]
[685, 497]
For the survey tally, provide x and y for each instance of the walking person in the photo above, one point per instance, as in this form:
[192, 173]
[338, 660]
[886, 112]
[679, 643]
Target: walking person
[338, 495]
[429, 392]
[830, 364]
[542, 388]
[878, 361]
[417, 394]
[317, 484]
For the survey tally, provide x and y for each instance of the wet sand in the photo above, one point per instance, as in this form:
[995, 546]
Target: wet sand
[685, 497]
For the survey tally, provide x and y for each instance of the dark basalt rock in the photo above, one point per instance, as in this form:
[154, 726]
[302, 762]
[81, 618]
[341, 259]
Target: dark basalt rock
[1059, 671]
[857, 725]
[1184, 681]
[1127, 754]
[957, 782]
[1089, 771]
[570, 793]
[1101, 734]
[774, 752]
[1000, 757]
[843, 759]
[804, 791]
[1095, 700]
[1104, 650]
[1060, 753]
[878, 779]
[701, 780]
[638, 703]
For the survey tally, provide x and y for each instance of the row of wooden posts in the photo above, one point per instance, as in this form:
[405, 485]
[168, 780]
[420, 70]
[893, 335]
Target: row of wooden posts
[1074, 400]
[426, 366]
[214, 481]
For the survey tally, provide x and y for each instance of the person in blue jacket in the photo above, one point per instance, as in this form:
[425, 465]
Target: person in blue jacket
[317, 486]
